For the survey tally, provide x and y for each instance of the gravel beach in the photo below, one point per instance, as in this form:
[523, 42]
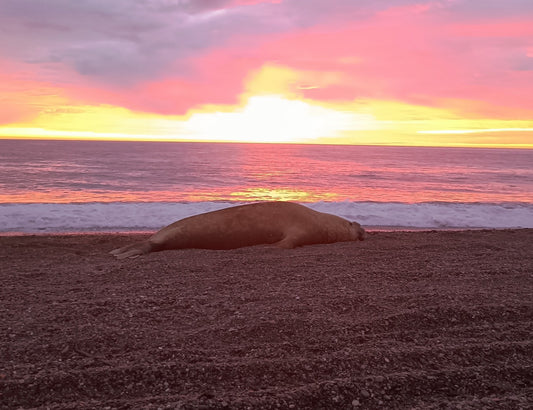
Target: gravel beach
[418, 320]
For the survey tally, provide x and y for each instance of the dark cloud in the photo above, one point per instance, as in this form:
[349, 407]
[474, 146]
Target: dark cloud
[523, 63]
[126, 41]
[482, 9]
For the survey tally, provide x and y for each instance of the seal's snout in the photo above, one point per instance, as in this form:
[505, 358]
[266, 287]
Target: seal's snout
[358, 232]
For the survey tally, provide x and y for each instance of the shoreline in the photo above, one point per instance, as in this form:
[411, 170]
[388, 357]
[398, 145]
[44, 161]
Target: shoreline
[370, 229]
[420, 320]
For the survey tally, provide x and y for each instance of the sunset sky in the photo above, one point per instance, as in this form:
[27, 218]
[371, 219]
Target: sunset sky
[400, 72]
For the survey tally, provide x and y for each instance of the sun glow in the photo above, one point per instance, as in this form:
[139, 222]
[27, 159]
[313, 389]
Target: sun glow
[278, 194]
[273, 118]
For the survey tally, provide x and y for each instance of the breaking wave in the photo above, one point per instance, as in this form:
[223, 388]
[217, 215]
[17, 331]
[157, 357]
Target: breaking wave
[149, 216]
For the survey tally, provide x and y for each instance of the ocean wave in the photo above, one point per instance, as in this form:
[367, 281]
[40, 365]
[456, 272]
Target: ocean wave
[124, 216]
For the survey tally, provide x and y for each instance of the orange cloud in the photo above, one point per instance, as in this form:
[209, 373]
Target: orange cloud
[22, 96]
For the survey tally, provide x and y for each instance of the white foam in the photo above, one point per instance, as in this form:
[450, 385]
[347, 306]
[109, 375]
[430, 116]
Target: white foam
[433, 215]
[113, 217]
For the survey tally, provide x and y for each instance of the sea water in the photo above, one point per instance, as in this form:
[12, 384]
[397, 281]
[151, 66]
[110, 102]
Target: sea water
[81, 186]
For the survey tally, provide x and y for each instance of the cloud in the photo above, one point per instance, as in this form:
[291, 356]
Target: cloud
[483, 9]
[121, 42]
[169, 56]
[124, 41]
[415, 54]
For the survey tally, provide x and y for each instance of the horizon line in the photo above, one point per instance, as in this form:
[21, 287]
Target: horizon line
[182, 140]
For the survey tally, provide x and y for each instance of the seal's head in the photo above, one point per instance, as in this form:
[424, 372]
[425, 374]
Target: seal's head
[357, 231]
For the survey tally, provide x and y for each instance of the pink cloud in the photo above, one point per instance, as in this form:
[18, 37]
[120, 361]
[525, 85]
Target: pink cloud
[511, 28]
[253, 2]
[411, 56]
[393, 55]
[216, 77]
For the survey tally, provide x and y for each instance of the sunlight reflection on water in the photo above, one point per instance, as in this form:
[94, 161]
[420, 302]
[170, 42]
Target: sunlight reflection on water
[82, 171]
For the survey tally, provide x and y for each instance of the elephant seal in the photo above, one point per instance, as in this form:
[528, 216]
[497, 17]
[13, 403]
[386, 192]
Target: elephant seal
[283, 224]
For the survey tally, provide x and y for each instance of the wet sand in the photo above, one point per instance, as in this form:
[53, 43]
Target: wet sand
[403, 320]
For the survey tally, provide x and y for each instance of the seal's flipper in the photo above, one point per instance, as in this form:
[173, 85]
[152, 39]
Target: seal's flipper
[292, 239]
[287, 243]
[132, 251]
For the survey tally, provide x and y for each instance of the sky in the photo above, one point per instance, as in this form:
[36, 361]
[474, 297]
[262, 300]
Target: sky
[385, 72]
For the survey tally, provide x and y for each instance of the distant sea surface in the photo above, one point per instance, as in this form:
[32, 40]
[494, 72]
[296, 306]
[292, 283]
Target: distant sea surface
[81, 186]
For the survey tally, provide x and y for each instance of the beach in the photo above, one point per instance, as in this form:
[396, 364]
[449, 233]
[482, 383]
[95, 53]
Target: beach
[419, 320]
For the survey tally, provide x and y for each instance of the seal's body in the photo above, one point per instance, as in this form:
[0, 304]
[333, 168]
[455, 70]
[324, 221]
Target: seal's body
[283, 224]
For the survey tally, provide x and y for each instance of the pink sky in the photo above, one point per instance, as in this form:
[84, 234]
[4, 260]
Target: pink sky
[470, 60]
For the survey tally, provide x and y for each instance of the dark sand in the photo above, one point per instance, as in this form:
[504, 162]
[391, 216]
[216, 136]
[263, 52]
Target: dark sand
[421, 320]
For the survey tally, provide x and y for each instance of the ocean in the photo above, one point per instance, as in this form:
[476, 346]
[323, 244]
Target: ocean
[88, 186]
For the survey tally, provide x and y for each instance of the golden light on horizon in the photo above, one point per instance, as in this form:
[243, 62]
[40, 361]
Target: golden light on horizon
[272, 109]
[476, 131]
